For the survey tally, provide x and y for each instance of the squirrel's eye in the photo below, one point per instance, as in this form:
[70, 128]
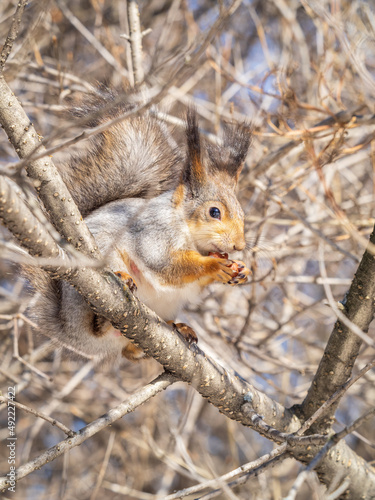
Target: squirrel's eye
[215, 213]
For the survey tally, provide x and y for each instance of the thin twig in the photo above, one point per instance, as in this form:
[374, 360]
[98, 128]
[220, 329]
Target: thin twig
[243, 479]
[104, 466]
[323, 452]
[12, 34]
[244, 469]
[135, 40]
[39, 414]
[107, 56]
[134, 401]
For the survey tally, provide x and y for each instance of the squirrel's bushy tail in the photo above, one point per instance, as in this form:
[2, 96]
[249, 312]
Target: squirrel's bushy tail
[51, 308]
[136, 157]
[44, 307]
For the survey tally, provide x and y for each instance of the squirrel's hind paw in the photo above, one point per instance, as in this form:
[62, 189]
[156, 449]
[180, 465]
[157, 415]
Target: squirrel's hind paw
[132, 352]
[186, 331]
[130, 283]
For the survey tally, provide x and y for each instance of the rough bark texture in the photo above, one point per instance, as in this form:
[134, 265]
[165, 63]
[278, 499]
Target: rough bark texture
[343, 346]
[46, 179]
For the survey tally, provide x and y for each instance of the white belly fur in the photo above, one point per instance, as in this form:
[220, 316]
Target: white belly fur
[166, 301]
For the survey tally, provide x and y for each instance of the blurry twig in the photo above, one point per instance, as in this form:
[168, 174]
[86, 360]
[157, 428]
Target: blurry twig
[137, 399]
[19, 358]
[351, 49]
[135, 40]
[277, 199]
[104, 466]
[246, 469]
[12, 34]
[107, 56]
[340, 119]
[272, 462]
[39, 414]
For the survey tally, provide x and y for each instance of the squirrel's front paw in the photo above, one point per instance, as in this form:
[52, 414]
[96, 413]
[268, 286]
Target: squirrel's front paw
[130, 283]
[242, 271]
[232, 272]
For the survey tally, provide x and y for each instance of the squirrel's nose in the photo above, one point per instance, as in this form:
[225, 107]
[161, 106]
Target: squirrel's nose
[239, 245]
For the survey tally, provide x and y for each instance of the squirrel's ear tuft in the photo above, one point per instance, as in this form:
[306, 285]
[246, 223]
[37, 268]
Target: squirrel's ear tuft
[231, 155]
[194, 173]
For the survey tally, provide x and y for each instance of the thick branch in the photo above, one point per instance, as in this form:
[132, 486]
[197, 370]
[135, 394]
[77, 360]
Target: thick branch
[20, 221]
[47, 181]
[343, 346]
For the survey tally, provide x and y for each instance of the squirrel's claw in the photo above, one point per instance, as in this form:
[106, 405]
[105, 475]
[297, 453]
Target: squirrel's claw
[186, 331]
[130, 283]
[244, 272]
[241, 273]
[232, 272]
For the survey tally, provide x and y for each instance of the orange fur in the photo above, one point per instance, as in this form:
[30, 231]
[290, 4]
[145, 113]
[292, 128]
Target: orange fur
[132, 352]
[179, 195]
[197, 167]
[188, 266]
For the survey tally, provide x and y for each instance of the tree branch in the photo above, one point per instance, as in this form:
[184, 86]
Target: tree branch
[12, 35]
[135, 40]
[46, 179]
[343, 345]
[107, 56]
[245, 470]
[134, 401]
[17, 217]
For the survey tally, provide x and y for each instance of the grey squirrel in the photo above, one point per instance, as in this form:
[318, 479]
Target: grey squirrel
[164, 215]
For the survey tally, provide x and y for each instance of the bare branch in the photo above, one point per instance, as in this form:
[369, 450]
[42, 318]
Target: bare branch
[39, 414]
[107, 56]
[135, 39]
[343, 346]
[12, 35]
[134, 401]
[26, 228]
[240, 471]
[334, 398]
[46, 178]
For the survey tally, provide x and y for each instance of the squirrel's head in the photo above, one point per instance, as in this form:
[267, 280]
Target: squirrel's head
[207, 188]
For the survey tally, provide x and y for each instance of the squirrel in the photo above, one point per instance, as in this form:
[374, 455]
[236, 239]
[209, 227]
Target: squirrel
[165, 218]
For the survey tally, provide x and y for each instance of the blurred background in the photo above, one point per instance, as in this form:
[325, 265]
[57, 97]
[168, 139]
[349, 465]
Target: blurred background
[303, 74]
